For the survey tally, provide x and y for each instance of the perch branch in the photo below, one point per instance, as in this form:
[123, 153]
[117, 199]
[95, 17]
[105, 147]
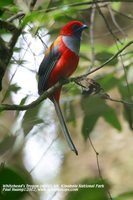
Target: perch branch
[50, 91]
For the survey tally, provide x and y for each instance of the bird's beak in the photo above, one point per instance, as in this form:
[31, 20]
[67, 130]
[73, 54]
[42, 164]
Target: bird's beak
[81, 28]
[84, 26]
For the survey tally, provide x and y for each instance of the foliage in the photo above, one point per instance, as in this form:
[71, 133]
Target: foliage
[8, 178]
[97, 109]
[95, 190]
[17, 21]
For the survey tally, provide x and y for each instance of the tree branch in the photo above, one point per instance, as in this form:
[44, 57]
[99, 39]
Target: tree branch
[108, 61]
[13, 29]
[87, 3]
[6, 48]
[45, 95]
[2, 44]
[19, 15]
[51, 90]
[14, 38]
[22, 14]
[7, 26]
[107, 24]
[98, 167]
[32, 4]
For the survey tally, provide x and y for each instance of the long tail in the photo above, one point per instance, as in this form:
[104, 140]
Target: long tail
[64, 127]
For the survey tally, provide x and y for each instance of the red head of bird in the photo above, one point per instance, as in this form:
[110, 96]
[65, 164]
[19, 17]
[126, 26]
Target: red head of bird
[73, 28]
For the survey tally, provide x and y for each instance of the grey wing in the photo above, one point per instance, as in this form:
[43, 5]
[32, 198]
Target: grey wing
[46, 67]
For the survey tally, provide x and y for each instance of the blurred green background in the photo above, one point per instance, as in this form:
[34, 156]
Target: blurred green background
[32, 148]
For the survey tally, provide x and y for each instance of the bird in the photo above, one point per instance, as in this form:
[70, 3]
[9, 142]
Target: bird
[59, 62]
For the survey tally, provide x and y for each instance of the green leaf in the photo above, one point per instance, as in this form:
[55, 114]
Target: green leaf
[72, 89]
[12, 88]
[125, 196]
[128, 114]
[54, 31]
[92, 105]
[88, 125]
[35, 16]
[23, 100]
[31, 119]
[116, 5]
[126, 92]
[6, 3]
[95, 191]
[11, 176]
[93, 108]
[110, 116]
[1, 12]
[108, 82]
[104, 56]
[61, 17]
[55, 3]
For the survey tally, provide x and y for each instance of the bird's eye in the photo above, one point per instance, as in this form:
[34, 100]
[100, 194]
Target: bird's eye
[75, 27]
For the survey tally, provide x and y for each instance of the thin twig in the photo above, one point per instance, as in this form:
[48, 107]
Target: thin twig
[107, 34]
[53, 195]
[107, 24]
[32, 4]
[92, 18]
[98, 166]
[129, 16]
[115, 22]
[108, 61]
[50, 91]
[118, 101]
[44, 153]
[17, 67]
[121, 58]
[22, 14]
[116, 39]
[86, 3]
[19, 15]
[7, 26]
[45, 95]
[125, 73]
[6, 48]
